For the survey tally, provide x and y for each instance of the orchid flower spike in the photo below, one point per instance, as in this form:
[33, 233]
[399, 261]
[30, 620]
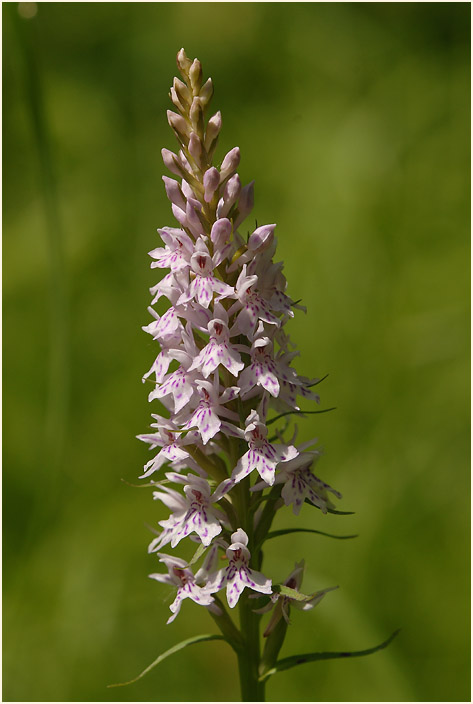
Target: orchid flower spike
[227, 390]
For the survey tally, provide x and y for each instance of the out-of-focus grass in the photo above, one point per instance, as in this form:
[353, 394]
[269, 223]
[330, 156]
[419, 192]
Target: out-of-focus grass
[354, 121]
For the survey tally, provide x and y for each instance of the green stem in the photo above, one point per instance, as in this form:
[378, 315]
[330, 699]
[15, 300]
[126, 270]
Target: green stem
[267, 516]
[249, 658]
[227, 627]
[216, 471]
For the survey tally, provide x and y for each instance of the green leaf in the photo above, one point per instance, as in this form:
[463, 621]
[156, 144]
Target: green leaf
[171, 651]
[340, 513]
[298, 596]
[283, 531]
[291, 593]
[331, 510]
[294, 660]
[298, 413]
[319, 381]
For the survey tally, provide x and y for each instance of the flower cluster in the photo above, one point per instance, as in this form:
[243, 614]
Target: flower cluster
[224, 366]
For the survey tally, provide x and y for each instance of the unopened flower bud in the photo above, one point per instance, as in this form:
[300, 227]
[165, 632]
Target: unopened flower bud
[206, 92]
[261, 238]
[195, 148]
[193, 219]
[187, 190]
[247, 197]
[232, 189]
[179, 125]
[195, 75]
[221, 231]
[183, 63]
[182, 92]
[170, 162]
[175, 100]
[246, 202]
[211, 183]
[230, 195]
[182, 160]
[180, 215]
[173, 192]
[230, 163]
[197, 115]
[196, 204]
[214, 126]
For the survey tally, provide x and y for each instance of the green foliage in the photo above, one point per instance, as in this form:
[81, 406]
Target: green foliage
[294, 660]
[171, 651]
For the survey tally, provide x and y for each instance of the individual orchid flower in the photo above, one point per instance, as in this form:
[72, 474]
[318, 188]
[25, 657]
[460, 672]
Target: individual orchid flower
[169, 439]
[271, 281]
[177, 251]
[258, 241]
[289, 391]
[182, 577]
[251, 306]
[206, 417]
[160, 365]
[219, 350]
[171, 287]
[262, 455]
[180, 384]
[205, 284]
[164, 327]
[180, 346]
[238, 574]
[301, 484]
[195, 514]
[262, 371]
[174, 501]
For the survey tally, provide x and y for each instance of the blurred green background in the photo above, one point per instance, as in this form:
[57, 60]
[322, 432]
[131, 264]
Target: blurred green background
[354, 121]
